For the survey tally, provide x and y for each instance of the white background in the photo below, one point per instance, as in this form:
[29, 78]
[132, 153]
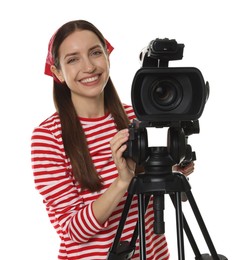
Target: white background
[215, 34]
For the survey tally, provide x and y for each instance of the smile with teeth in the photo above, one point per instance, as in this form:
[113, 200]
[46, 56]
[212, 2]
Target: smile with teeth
[88, 80]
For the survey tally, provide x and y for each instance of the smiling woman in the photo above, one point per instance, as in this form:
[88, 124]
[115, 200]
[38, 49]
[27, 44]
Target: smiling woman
[77, 153]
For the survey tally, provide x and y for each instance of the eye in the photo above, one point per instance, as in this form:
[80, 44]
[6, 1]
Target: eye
[72, 60]
[96, 52]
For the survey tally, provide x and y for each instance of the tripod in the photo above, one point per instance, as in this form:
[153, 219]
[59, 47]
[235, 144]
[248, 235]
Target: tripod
[158, 180]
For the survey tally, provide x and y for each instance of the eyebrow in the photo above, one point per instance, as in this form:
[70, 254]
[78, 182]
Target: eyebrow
[75, 53]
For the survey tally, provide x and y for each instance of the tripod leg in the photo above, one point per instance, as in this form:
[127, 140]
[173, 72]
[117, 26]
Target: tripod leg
[141, 212]
[179, 225]
[191, 238]
[202, 225]
[175, 197]
[124, 250]
[188, 232]
[114, 250]
[135, 234]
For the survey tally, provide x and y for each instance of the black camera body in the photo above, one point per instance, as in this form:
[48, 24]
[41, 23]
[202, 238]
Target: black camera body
[165, 97]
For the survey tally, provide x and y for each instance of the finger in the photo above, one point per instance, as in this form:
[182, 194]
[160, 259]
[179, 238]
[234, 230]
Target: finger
[131, 164]
[119, 140]
[121, 150]
[188, 171]
[121, 134]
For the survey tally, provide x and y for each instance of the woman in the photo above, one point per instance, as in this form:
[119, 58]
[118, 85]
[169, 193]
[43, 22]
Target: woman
[77, 152]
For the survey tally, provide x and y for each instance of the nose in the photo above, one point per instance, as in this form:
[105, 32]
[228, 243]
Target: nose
[88, 66]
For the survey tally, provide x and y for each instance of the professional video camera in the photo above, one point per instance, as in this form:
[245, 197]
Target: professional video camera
[166, 97]
[163, 97]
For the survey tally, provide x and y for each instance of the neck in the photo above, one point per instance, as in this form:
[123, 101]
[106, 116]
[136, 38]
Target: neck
[90, 108]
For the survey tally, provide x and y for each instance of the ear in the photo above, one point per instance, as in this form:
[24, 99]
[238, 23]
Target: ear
[57, 73]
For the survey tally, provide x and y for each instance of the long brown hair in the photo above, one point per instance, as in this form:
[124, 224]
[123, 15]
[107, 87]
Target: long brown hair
[73, 136]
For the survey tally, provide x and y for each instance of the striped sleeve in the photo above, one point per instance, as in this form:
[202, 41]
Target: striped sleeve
[54, 181]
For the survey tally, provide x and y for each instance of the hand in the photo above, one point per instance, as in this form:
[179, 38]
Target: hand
[125, 167]
[186, 170]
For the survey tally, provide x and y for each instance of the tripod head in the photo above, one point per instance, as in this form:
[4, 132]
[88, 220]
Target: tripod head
[161, 159]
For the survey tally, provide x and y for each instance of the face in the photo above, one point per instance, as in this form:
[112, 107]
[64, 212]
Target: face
[84, 65]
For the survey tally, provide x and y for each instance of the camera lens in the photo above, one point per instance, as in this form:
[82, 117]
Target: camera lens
[166, 94]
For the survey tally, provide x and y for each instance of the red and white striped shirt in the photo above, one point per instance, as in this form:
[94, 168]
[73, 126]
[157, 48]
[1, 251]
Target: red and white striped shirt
[69, 208]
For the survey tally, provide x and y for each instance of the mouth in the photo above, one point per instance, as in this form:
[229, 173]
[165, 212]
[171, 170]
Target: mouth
[90, 79]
